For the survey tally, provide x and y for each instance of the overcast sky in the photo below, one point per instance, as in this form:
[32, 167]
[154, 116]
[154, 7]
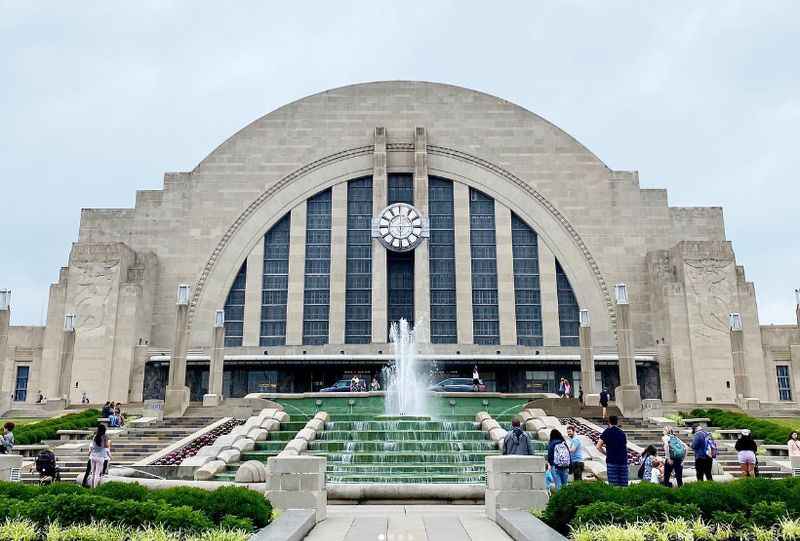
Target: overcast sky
[702, 98]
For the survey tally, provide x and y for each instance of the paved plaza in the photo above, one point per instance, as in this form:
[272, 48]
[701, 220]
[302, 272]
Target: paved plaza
[407, 523]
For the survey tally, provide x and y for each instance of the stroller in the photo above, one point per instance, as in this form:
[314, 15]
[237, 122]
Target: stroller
[47, 468]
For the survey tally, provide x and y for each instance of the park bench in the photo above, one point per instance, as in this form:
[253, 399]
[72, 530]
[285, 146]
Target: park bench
[776, 450]
[29, 450]
[696, 421]
[730, 434]
[66, 435]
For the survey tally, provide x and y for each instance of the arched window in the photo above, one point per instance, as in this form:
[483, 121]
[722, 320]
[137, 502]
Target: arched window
[234, 309]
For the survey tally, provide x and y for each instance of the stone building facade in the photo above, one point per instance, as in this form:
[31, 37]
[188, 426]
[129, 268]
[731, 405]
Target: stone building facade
[503, 228]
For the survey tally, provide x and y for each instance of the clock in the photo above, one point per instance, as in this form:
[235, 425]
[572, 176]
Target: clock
[400, 227]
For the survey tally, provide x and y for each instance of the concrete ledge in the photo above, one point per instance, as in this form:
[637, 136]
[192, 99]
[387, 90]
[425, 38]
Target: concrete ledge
[157, 484]
[522, 526]
[415, 491]
[291, 525]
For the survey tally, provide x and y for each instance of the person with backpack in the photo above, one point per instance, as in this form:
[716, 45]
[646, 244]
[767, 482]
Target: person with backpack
[46, 467]
[516, 441]
[705, 450]
[675, 452]
[746, 449]
[604, 402]
[614, 443]
[649, 465]
[558, 459]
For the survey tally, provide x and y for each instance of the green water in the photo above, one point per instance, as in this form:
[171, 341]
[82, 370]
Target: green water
[378, 449]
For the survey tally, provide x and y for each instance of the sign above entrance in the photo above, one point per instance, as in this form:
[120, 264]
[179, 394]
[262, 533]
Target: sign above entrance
[400, 227]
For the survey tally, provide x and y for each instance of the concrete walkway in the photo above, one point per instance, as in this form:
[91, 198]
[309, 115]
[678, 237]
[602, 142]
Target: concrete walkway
[407, 523]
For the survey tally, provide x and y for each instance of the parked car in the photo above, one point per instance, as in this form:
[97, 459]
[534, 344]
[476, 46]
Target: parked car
[341, 386]
[456, 385]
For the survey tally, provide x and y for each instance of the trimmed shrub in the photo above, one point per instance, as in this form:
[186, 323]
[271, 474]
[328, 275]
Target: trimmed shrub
[48, 429]
[123, 491]
[601, 513]
[767, 513]
[183, 518]
[761, 429]
[196, 498]
[230, 522]
[240, 502]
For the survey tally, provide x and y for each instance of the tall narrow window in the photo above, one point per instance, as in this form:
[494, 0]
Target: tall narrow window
[316, 303]
[400, 282]
[442, 262]
[784, 383]
[526, 283]
[358, 298]
[21, 386]
[400, 188]
[234, 309]
[568, 312]
[483, 244]
[275, 284]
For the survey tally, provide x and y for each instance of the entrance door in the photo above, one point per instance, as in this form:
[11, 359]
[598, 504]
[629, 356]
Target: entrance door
[21, 387]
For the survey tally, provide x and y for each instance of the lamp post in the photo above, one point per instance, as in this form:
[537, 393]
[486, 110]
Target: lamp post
[741, 383]
[215, 369]
[627, 395]
[587, 359]
[177, 395]
[5, 365]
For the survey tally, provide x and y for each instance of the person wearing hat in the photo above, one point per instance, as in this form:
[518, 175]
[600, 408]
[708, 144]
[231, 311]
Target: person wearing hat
[746, 449]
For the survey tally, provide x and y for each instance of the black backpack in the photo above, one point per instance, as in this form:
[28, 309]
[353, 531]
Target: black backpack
[46, 462]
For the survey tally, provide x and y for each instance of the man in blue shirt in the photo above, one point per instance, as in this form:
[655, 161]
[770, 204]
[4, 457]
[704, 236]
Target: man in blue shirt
[614, 443]
[576, 452]
[702, 462]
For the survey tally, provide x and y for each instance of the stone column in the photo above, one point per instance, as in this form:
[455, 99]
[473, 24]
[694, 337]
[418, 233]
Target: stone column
[797, 307]
[422, 275]
[67, 358]
[297, 274]
[506, 299]
[380, 311]
[627, 395]
[741, 382]
[215, 368]
[590, 398]
[463, 253]
[252, 296]
[176, 399]
[338, 263]
[6, 366]
[514, 482]
[551, 333]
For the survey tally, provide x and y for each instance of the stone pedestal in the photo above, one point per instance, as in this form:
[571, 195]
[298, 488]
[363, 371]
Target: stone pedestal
[214, 395]
[176, 400]
[67, 359]
[211, 400]
[153, 408]
[749, 404]
[514, 482]
[652, 407]
[55, 404]
[298, 482]
[587, 364]
[6, 366]
[628, 400]
[7, 464]
[741, 381]
[592, 399]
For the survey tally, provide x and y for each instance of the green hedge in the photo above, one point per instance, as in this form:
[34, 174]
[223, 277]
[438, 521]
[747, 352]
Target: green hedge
[737, 501]
[762, 429]
[48, 429]
[181, 508]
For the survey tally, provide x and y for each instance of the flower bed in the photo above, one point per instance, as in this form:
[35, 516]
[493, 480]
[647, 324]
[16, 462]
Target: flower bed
[48, 429]
[745, 502]
[25, 530]
[190, 449]
[134, 506]
[680, 529]
[762, 429]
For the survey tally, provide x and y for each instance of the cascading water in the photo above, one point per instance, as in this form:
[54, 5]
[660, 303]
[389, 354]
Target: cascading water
[407, 385]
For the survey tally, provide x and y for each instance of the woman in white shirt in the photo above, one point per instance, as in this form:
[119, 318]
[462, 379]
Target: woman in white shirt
[99, 452]
[793, 445]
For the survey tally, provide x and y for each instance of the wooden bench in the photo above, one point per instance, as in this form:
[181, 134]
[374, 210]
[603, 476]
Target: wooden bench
[776, 450]
[29, 450]
[66, 435]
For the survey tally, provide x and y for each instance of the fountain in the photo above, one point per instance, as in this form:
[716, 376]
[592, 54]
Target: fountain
[406, 385]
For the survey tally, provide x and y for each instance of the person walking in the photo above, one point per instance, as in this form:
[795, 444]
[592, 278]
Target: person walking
[374, 386]
[675, 453]
[604, 402]
[99, 453]
[558, 459]
[476, 379]
[516, 441]
[567, 388]
[576, 453]
[614, 443]
[561, 388]
[703, 457]
[7, 439]
[746, 450]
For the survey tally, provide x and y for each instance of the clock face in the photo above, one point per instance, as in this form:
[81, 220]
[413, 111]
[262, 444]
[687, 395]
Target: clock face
[400, 227]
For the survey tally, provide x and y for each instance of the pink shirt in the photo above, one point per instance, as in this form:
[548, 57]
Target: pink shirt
[794, 447]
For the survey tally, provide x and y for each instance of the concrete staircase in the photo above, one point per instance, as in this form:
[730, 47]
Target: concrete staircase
[644, 433]
[137, 444]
